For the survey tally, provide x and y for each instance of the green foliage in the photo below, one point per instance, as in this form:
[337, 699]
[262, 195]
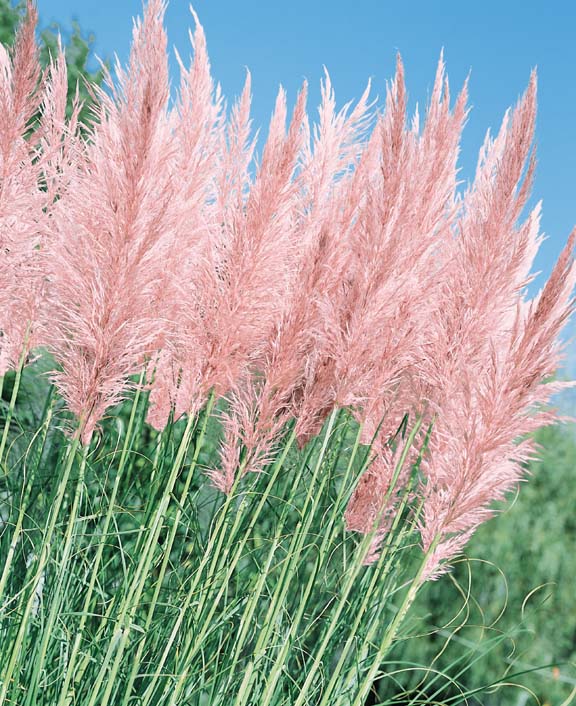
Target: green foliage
[236, 595]
[131, 578]
[154, 582]
[76, 45]
[128, 579]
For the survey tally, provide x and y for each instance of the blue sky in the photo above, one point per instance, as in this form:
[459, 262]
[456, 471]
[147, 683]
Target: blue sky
[499, 42]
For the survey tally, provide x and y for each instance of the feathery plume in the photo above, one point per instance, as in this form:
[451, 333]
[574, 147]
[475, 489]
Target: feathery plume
[111, 231]
[490, 353]
[34, 144]
[178, 381]
[234, 295]
[147, 241]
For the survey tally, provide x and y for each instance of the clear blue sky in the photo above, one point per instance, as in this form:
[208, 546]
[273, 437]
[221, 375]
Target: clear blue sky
[499, 42]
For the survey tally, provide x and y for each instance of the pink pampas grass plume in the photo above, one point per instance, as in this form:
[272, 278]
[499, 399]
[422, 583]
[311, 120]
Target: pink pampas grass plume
[234, 295]
[399, 206]
[492, 351]
[34, 153]
[407, 213]
[20, 196]
[178, 381]
[477, 356]
[110, 233]
[270, 394]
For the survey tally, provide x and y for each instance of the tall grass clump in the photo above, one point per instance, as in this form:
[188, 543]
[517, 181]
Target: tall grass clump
[249, 408]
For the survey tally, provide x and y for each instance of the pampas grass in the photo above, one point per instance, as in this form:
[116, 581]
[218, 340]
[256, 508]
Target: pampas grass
[269, 405]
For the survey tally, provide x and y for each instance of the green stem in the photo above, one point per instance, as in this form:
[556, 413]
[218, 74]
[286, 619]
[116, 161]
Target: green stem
[58, 596]
[11, 409]
[333, 622]
[18, 644]
[167, 548]
[380, 574]
[301, 535]
[123, 625]
[23, 507]
[212, 555]
[286, 575]
[392, 630]
[397, 534]
[70, 672]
